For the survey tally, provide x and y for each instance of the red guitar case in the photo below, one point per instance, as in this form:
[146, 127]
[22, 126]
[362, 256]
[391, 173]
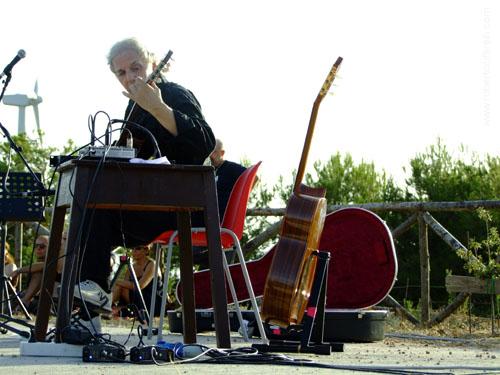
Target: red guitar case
[362, 271]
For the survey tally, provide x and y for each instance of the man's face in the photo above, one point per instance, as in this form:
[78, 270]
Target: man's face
[128, 65]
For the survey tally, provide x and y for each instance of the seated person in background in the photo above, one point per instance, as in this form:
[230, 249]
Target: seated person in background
[124, 291]
[35, 272]
[226, 174]
[9, 264]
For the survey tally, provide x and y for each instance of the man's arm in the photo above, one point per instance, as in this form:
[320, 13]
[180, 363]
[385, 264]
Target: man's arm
[148, 97]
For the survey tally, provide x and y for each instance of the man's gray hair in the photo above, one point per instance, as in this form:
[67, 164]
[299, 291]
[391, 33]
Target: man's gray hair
[218, 145]
[129, 44]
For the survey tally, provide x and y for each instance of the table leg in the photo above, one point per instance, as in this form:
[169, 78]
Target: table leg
[70, 271]
[217, 278]
[49, 274]
[187, 279]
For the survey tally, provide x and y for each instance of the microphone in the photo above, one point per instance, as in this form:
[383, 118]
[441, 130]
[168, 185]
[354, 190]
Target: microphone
[20, 54]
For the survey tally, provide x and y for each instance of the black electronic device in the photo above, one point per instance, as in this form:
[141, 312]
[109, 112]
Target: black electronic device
[145, 331]
[150, 354]
[103, 352]
[109, 152]
[21, 199]
[76, 336]
[57, 160]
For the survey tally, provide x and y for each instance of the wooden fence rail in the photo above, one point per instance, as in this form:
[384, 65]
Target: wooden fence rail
[420, 214]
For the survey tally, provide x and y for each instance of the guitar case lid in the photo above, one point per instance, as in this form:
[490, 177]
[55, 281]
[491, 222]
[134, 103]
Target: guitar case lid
[363, 265]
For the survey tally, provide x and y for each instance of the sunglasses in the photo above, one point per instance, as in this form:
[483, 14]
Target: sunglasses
[141, 248]
[40, 245]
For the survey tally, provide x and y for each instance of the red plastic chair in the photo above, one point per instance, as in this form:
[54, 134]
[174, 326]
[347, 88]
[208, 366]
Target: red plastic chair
[231, 233]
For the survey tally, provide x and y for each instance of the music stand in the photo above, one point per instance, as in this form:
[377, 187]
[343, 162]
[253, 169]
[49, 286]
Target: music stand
[19, 202]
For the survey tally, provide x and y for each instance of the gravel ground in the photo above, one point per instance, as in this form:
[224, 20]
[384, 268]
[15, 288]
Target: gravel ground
[400, 352]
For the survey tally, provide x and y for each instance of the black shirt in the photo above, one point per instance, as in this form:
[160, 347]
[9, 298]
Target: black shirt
[195, 139]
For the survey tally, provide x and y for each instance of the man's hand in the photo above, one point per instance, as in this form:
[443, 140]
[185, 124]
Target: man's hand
[147, 96]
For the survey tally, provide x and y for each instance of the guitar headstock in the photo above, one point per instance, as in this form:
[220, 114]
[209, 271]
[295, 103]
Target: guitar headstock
[159, 67]
[329, 79]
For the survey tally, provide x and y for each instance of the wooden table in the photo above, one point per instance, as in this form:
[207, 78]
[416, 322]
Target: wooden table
[143, 187]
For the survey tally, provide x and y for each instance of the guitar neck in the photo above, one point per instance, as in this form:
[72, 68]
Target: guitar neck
[307, 146]
[157, 71]
[312, 122]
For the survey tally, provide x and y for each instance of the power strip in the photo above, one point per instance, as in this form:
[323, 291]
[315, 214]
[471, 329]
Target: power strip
[150, 354]
[103, 353]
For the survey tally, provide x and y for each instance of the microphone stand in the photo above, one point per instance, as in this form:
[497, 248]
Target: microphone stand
[8, 76]
[5, 284]
[6, 288]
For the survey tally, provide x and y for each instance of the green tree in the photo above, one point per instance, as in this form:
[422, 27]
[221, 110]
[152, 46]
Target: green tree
[36, 155]
[437, 175]
[346, 182]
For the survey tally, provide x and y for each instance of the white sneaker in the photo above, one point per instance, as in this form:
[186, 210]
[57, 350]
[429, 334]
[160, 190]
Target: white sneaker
[94, 295]
[94, 325]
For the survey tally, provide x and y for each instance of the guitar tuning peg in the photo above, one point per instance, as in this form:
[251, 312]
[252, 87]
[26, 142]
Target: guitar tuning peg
[167, 67]
[330, 92]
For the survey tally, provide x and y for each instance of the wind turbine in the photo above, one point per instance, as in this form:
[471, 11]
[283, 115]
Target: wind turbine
[22, 101]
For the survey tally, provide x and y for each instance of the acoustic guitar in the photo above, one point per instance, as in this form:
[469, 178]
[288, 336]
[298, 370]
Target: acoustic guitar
[289, 281]
[132, 135]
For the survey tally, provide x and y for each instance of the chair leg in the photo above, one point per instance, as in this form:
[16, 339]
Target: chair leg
[165, 285]
[235, 298]
[155, 288]
[248, 283]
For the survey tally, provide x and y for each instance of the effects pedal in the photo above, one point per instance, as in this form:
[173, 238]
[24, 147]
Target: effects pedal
[111, 152]
[76, 336]
[145, 331]
[103, 353]
[151, 354]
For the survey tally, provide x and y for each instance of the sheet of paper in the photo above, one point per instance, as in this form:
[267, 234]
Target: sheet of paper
[162, 160]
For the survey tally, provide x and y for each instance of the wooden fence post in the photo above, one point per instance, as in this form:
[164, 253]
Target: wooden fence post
[423, 242]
